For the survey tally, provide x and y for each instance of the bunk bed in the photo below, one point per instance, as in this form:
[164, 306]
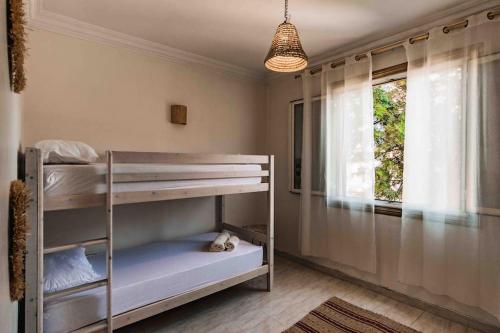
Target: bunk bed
[182, 272]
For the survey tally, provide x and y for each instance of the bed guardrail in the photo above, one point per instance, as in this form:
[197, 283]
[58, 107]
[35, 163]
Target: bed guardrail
[186, 158]
[126, 157]
[120, 198]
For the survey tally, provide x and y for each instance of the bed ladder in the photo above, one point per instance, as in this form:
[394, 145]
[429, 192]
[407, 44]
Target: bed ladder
[105, 325]
[102, 325]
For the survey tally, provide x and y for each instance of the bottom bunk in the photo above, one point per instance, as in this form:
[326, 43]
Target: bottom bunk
[150, 273]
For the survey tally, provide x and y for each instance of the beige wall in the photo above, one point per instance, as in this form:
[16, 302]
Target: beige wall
[283, 90]
[9, 143]
[118, 98]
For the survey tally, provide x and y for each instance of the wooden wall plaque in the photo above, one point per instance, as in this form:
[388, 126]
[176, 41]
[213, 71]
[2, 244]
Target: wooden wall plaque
[178, 114]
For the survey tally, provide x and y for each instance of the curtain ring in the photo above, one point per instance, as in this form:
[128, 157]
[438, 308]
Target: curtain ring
[448, 29]
[413, 40]
[490, 16]
[360, 56]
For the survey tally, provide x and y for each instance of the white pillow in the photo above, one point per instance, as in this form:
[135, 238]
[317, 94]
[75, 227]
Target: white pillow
[66, 269]
[61, 151]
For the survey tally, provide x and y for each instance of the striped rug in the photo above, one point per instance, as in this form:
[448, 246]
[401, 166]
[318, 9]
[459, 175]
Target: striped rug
[336, 315]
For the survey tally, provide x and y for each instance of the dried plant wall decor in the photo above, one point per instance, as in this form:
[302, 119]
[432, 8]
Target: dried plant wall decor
[19, 228]
[17, 44]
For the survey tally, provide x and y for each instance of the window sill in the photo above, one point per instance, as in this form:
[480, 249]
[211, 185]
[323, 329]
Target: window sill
[388, 208]
[395, 208]
[381, 207]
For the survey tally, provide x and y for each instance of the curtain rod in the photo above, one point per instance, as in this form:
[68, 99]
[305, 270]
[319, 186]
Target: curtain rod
[391, 46]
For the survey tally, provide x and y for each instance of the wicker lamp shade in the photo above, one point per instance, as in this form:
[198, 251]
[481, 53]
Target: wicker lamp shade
[286, 53]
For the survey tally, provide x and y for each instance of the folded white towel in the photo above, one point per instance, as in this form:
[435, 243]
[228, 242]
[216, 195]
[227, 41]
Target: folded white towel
[232, 243]
[218, 245]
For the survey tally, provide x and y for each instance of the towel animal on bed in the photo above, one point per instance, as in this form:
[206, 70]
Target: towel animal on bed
[224, 242]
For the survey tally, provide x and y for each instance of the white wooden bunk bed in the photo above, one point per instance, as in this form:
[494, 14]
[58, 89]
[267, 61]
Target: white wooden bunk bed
[134, 177]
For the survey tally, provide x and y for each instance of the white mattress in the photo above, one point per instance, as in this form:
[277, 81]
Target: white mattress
[149, 273]
[68, 179]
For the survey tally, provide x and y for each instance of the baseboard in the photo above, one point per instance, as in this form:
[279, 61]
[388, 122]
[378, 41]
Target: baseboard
[422, 305]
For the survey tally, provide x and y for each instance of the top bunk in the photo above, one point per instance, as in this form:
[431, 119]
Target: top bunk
[136, 177]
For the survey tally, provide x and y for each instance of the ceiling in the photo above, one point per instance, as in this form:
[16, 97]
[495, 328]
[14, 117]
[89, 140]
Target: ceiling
[240, 31]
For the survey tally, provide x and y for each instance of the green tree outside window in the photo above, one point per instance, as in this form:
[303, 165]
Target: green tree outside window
[389, 102]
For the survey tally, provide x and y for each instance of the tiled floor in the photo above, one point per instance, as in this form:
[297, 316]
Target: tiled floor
[297, 290]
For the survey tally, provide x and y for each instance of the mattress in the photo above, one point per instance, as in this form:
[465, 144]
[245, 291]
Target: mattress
[68, 179]
[149, 273]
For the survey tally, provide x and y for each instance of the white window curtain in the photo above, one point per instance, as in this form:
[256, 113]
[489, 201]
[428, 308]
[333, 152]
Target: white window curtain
[450, 233]
[340, 225]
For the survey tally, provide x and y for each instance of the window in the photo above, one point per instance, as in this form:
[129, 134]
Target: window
[296, 109]
[389, 102]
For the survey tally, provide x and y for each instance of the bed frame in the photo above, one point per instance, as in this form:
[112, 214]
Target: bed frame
[34, 299]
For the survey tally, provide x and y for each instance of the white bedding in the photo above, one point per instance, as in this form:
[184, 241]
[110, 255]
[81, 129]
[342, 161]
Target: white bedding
[68, 179]
[149, 273]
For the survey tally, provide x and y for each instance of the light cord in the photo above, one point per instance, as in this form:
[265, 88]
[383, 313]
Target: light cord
[286, 10]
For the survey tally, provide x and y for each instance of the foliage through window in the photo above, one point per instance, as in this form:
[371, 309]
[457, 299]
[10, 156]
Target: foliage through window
[389, 102]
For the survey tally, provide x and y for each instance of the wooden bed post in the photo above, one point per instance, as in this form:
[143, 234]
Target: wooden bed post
[270, 225]
[33, 306]
[109, 244]
[220, 212]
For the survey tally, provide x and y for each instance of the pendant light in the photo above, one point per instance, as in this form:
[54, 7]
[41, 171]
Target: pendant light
[286, 53]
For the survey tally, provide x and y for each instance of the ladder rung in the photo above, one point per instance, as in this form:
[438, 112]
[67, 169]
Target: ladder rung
[91, 242]
[74, 290]
[95, 327]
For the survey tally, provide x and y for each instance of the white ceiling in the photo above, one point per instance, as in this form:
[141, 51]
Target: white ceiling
[240, 31]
